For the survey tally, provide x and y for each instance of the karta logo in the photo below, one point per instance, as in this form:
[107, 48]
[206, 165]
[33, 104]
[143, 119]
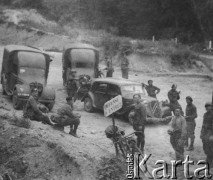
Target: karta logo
[137, 165]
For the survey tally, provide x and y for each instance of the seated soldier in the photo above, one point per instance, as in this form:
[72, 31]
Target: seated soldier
[33, 109]
[66, 117]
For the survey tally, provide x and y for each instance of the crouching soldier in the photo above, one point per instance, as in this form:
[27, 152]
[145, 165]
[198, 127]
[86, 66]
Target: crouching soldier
[66, 117]
[32, 109]
[178, 134]
[207, 133]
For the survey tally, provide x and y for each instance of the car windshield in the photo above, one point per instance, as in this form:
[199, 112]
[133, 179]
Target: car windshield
[132, 89]
[29, 74]
[83, 60]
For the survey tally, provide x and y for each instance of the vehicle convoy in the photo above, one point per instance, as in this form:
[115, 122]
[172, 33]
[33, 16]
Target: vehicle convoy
[83, 58]
[104, 89]
[24, 68]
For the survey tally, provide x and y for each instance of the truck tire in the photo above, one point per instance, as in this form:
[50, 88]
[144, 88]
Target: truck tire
[17, 104]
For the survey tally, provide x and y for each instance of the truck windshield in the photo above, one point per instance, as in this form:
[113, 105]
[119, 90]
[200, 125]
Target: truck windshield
[29, 74]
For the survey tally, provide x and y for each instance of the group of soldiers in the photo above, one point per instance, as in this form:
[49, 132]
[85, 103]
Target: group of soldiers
[64, 116]
[182, 127]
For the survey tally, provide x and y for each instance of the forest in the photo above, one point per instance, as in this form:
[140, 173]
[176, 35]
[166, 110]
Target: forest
[188, 20]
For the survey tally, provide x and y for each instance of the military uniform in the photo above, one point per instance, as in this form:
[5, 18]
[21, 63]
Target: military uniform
[66, 117]
[206, 132]
[110, 69]
[125, 67]
[178, 135]
[139, 122]
[174, 96]
[32, 111]
[151, 90]
[72, 88]
[191, 114]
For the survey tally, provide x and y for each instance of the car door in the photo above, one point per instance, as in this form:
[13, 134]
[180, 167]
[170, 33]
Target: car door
[101, 95]
[113, 91]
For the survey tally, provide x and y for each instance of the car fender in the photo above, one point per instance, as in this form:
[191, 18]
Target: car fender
[91, 95]
[123, 111]
[22, 90]
[48, 94]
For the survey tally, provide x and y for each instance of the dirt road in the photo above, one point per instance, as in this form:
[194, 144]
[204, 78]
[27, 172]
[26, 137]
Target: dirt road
[93, 144]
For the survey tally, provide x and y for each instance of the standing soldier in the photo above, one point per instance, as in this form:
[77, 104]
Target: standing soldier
[66, 117]
[207, 132]
[151, 90]
[32, 111]
[174, 96]
[139, 121]
[110, 69]
[191, 114]
[178, 134]
[72, 86]
[124, 66]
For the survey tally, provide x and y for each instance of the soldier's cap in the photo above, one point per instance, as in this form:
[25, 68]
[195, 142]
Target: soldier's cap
[208, 104]
[174, 85]
[189, 98]
[68, 98]
[150, 80]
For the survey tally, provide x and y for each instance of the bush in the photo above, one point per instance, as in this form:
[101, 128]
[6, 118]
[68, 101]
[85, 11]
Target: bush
[182, 57]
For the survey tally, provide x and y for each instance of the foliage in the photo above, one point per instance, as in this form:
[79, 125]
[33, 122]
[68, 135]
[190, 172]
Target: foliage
[188, 20]
[182, 57]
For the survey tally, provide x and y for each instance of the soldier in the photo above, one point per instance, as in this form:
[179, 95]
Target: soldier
[32, 111]
[72, 86]
[191, 114]
[177, 134]
[174, 96]
[125, 66]
[139, 121]
[207, 132]
[110, 69]
[151, 90]
[66, 117]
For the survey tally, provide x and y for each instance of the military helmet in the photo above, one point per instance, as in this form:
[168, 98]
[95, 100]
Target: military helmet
[208, 104]
[174, 85]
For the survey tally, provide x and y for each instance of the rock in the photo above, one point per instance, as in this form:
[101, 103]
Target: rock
[93, 132]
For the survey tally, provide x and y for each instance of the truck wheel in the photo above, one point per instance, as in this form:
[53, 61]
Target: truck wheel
[4, 84]
[88, 105]
[50, 105]
[17, 104]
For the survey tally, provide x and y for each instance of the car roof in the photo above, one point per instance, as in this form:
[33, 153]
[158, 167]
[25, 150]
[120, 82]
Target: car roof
[80, 46]
[11, 48]
[116, 81]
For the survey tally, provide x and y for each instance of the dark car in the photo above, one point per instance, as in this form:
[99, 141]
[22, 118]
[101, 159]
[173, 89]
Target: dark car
[84, 58]
[102, 90]
[24, 68]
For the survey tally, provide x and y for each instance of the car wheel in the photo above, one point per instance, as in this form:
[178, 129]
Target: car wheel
[17, 104]
[88, 107]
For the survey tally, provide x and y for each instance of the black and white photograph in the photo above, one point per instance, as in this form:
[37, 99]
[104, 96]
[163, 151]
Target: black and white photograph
[106, 89]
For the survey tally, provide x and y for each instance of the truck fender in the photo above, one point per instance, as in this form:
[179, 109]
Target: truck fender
[48, 93]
